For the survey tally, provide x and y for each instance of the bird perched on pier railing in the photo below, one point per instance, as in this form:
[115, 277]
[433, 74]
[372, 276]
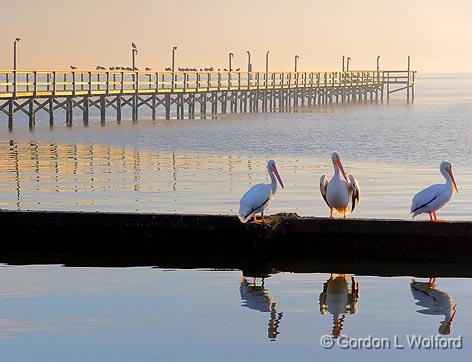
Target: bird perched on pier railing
[259, 196]
[147, 69]
[168, 69]
[431, 199]
[99, 67]
[73, 67]
[338, 192]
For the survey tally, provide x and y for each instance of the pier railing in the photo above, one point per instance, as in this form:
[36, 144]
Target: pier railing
[44, 84]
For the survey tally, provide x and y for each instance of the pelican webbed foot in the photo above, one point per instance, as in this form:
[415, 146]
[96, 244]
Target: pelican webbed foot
[260, 221]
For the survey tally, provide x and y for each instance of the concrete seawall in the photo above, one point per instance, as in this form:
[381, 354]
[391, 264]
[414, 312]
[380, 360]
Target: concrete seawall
[204, 236]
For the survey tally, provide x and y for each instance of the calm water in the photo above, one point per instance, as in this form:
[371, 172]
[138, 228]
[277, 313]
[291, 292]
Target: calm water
[53, 313]
[149, 314]
[204, 166]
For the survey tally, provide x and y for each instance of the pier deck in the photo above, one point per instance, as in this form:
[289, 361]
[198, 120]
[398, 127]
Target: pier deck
[185, 94]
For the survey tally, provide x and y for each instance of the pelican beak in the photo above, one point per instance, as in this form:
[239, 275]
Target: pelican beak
[276, 173]
[449, 171]
[340, 165]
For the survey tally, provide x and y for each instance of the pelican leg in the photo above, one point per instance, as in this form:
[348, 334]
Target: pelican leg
[256, 221]
[344, 214]
[436, 217]
[432, 282]
[331, 213]
[262, 216]
[430, 217]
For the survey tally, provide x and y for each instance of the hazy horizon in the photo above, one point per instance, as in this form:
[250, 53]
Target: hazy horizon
[57, 34]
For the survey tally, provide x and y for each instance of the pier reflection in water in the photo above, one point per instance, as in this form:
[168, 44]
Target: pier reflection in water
[50, 176]
[149, 314]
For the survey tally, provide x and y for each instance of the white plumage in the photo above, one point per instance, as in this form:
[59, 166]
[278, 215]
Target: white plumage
[259, 196]
[338, 192]
[432, 198]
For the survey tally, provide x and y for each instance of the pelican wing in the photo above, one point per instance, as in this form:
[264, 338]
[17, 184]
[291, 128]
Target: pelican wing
[356, 192]
[324, 188]
[254, 199]
[424, 197]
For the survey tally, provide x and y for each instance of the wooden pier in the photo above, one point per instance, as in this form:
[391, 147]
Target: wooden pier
[187, 94]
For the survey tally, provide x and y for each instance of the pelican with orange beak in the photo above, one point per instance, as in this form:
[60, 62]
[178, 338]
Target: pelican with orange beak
[339, 191]
[432, 198]
[259, 196]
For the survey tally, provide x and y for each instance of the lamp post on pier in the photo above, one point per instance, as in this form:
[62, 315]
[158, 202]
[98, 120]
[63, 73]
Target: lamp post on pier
[249, 65]
[267, 61]
[173, 58]
[14, 52]
[378, 62]
[348, 62]
[297, 57]
[134, 51]
[230, 55]
[344, 67]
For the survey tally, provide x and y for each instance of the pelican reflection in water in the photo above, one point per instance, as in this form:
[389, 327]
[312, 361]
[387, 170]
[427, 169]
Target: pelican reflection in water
[256, 297]
[340, 296]
[435, 302]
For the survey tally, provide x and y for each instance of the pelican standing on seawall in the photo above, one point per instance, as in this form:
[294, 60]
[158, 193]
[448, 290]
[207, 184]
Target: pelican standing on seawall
[259, 196]
[337, 192]
[431, 199]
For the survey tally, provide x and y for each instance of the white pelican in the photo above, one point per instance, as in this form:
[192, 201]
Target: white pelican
[432, 198]
[259, 196]
[338, 192]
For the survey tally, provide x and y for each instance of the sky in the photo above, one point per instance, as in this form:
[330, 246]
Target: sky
[59, 33]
